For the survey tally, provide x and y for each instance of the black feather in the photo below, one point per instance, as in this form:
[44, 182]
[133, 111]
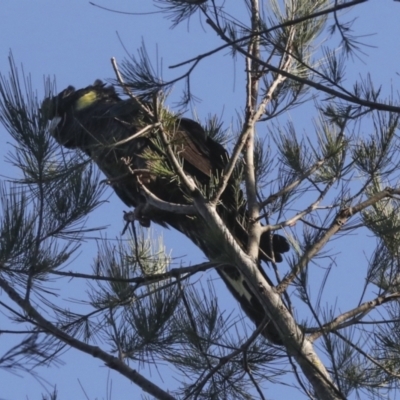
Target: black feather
[97, 121]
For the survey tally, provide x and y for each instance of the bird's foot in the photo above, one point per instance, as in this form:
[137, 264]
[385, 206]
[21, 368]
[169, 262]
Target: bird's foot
[136, 215]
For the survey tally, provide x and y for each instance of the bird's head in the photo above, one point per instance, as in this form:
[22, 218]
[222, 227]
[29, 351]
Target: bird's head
[55, 106]
[72, 108]
[77, 100]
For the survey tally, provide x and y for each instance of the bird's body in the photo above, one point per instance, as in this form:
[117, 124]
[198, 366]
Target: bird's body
[97, 121]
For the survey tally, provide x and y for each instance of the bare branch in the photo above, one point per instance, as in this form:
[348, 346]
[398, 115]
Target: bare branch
[155, 201]
[337, 224]
[353, 316]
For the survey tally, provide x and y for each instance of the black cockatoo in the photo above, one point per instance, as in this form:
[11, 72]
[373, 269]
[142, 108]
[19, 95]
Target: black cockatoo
[107, 128]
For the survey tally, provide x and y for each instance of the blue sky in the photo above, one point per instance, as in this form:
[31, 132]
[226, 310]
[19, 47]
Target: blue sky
[74, 42]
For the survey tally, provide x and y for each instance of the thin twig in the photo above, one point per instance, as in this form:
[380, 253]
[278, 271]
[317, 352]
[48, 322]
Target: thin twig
[142, 132]
[273, 197]
[173, 273]
[339, 221]
[312, 207]
[226, 359]
[367, 356]
[353, 316]
[127, 89]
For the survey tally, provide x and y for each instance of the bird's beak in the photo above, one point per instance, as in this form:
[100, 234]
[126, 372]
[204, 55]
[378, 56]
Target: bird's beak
[54, 123]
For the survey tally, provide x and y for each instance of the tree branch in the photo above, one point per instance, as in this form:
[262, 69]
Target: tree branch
[340, 220]
[342, 321]
[172, 273]
[94, 351]
[296, 344]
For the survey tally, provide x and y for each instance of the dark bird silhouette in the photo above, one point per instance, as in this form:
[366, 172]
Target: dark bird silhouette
[115, 134]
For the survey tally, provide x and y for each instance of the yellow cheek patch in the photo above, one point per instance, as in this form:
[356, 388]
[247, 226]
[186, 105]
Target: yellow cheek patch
[86, 100]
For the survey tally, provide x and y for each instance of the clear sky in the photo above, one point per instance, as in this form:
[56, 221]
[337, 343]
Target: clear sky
[74, 41]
